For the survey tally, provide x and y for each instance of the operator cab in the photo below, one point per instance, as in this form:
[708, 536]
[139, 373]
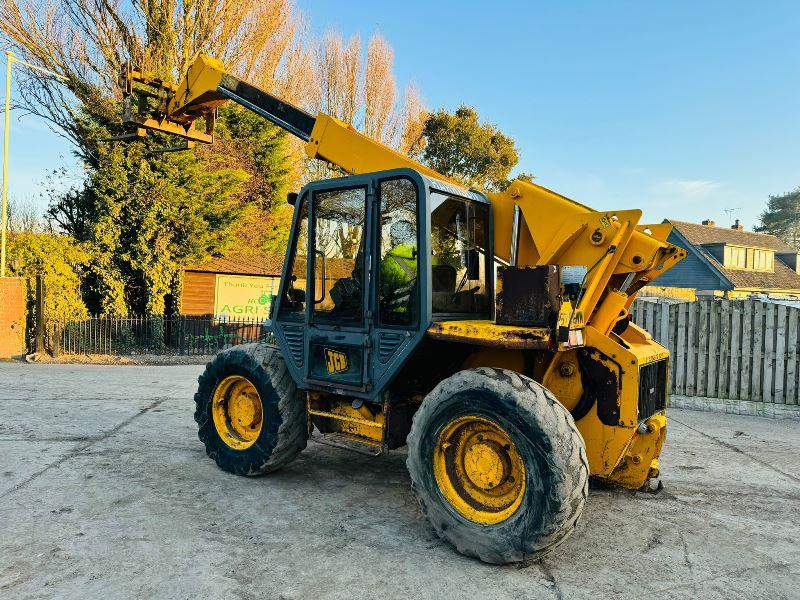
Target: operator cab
[372, 261]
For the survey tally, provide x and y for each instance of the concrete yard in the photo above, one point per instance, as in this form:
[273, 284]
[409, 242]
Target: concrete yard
[105, 491]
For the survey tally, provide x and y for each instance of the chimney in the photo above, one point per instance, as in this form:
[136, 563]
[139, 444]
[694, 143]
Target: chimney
[709, 223]
[737, 226]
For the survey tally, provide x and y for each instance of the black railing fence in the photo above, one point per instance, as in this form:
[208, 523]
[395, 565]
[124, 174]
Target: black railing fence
[182, 335]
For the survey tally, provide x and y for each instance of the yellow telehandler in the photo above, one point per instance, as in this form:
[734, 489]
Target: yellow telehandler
[490, 333]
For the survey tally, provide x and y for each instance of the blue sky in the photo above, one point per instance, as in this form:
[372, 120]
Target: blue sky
[684, 109]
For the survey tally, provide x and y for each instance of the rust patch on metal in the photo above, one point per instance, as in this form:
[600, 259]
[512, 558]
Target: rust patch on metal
[528, 296]
[492, 335]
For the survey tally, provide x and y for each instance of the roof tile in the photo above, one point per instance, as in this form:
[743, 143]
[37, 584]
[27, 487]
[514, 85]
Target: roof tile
[783, 278]
[241, 264]
[703, 234]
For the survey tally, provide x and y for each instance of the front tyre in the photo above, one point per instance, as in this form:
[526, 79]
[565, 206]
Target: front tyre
[497, 465]
[251, 418]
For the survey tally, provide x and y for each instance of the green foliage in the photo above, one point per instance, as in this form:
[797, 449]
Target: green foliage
[524, 176]
[248, 141]
[142, 216]
[782, 217]
[476, 154]
[59, 259]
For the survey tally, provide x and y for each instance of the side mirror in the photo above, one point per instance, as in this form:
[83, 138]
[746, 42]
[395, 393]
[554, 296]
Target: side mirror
[291, 198]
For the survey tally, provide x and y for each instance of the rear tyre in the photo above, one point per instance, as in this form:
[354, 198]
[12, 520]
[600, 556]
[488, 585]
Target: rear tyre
[251, 418]
[497, 465]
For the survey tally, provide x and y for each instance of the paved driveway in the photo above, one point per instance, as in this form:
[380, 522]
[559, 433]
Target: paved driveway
[105, 491]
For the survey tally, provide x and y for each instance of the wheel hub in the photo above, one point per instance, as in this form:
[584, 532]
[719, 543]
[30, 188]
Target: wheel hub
[484, 465]
[479, 470]
[237, 412]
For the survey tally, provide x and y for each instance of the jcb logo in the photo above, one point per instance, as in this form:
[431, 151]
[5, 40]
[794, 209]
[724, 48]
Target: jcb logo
[335, 361]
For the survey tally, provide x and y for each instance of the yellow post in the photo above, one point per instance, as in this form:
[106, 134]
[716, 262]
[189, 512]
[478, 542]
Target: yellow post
[4, 210]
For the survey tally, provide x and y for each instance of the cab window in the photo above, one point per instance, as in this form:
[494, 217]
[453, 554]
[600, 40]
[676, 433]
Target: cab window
[459, 235]
[398, 267]
[338, 257]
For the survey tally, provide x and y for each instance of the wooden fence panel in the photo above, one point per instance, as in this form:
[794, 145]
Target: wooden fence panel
[702, 348]
[769, 345]
[737, 349]
[663, 331]
[691, 350]
[780, 354]
[747, 351]
[649, 318]
[758, 339]
[723, 360]
[791, 358]
[713, 349]
[680, 350]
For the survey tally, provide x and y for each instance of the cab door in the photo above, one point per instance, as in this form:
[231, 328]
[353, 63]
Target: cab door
[398, 306]
[352, 302]
[339, 276]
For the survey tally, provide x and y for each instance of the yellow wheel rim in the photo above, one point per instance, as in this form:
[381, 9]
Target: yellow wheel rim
[238, 413]
[478, 469]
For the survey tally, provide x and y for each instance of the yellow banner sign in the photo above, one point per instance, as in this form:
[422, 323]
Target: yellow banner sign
[238, 296]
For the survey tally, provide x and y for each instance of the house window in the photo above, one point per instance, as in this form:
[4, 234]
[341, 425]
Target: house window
[760, 260]
[763, 260]
[735, 257]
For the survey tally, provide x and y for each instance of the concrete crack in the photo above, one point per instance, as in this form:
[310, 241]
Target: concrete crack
[76, 451]
[738, 451]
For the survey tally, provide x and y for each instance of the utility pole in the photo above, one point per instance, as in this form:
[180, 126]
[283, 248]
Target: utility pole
[4, 210]
[10, 60]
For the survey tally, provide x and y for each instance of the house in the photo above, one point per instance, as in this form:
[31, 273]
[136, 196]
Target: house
[235, 286]
[729, 262]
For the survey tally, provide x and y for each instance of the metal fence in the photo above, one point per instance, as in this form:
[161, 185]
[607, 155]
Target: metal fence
[182, 335]
[728, 349]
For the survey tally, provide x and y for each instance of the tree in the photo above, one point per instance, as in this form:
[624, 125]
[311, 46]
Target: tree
[24, 217]
[475, 154]
[363, 93]
[782, 217]
[142, 220]
[142, 214]
[59, 260]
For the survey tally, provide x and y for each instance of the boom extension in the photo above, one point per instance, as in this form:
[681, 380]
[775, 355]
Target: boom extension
[205, 87]
[174, 109]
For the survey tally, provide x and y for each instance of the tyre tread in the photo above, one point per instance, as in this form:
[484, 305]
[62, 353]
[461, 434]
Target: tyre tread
[263, 361]
[570, 489]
